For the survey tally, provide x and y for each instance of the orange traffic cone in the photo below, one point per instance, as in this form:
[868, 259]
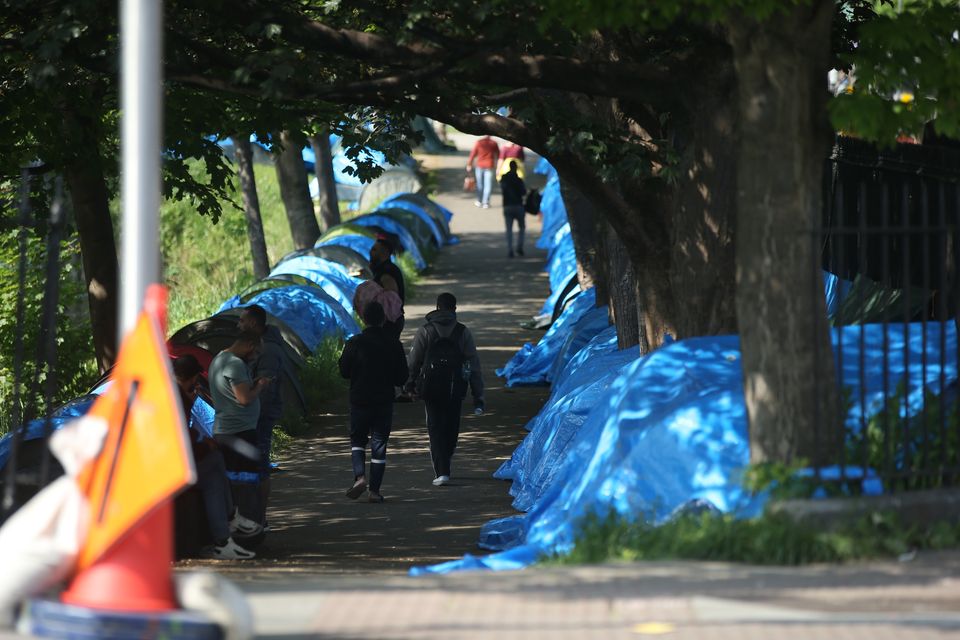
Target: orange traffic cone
[134, 575]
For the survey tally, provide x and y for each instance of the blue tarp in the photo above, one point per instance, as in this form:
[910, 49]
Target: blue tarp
[532, 363]
[308, 311]
[562, 259]
[36, 428]
[593, 323]
[555, 295]
[329, 276]
[360, 244]
[835, 289]
[417, 210]
[670, 429]
[544, 168]
[392, 226]
[554, 213]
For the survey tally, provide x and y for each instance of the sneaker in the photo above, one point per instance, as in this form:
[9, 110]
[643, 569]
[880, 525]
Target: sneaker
[439, 481]
[373, 496]
[244, 526]
[477, 204]
[485, 205]
[229, 550]
[357, 489]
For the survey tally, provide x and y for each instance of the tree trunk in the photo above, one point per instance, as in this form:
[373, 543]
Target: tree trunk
[792, 400]
[98, 248]
[329, 204]
[621, 284]
[251, 206]
[295, 190]
[583, 231]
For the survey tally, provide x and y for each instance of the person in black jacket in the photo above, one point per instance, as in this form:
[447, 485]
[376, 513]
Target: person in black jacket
[512, 189]
[375, 363]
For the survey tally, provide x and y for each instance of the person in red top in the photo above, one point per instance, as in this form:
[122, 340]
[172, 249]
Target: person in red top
[483, 160]
[514, 152]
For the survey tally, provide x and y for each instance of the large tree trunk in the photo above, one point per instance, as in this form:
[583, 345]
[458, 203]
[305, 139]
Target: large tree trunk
[792, 400]
[621, 285]
[251, 206]
[295, 190]
[583, 231]
[98, 248]
[329, 204]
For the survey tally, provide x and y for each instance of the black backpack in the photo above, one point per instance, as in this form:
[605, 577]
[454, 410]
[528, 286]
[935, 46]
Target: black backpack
[531, 203]
[443, 376]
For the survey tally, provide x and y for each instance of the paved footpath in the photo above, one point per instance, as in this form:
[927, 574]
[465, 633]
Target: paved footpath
[333, 568]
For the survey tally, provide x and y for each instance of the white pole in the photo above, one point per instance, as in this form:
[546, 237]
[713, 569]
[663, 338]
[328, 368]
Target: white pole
[142, 110]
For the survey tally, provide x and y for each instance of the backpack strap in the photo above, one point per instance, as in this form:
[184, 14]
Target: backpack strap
[457, 334]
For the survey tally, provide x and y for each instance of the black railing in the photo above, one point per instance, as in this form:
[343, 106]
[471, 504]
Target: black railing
[888, 250]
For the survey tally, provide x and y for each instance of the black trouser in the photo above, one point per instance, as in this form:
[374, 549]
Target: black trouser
[443, 425]
[370, 424]
[240, 451]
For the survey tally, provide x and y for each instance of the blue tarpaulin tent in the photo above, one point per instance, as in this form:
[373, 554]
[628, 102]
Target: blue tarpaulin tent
[392, 226]
[329, 276]
[670, 430]
[308, 311]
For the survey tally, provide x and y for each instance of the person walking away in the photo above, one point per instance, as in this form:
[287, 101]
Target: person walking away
[268, 364]
[512, 151]
[442, 362]
[223, 518]
[374, 363]
[236, 401]
[388, 276]
[483, 161]
[513, 190]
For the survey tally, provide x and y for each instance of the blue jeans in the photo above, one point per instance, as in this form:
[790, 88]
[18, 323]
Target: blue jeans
[484, 184]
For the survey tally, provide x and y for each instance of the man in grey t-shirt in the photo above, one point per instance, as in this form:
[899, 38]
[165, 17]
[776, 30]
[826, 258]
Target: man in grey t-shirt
[236, 399]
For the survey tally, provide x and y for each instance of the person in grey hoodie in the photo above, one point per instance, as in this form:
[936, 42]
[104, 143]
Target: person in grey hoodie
[443, 417]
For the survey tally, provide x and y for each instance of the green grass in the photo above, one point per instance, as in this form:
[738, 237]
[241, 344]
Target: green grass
[207, 263]
[771, 539]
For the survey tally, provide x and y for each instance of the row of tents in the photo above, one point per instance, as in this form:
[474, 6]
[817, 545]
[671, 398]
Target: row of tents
[651, 436]
[308, 295]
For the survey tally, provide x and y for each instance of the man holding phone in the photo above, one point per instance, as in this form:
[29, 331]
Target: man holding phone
[236, 399]
[268, 363]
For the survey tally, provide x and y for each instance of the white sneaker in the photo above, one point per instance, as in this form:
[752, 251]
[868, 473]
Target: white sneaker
[230, 550]
[244, 526]
[439, 481]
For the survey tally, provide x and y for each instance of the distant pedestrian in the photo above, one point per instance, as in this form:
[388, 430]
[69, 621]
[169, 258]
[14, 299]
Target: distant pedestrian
[510, 152]
[374, 363]
[483, 161]
[513, 190]
[443, 362]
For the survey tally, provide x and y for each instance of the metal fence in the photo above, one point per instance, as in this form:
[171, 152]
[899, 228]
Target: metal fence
[888, 248]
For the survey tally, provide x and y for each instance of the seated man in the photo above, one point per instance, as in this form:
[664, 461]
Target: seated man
[223, 517]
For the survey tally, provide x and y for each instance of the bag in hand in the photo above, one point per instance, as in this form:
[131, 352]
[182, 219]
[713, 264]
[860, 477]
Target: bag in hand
[469, 183]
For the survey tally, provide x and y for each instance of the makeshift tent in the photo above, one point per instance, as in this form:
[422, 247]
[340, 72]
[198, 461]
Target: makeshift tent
[562, 258]
[394, 180]
[671, 433]
[218, 332]
[359, 243]
[554, 212]
[532, 363]
[419, 202]
[391, 226]
[421, 226]
[270, 282]
[357, 264]
[309, 311]
[346, 229]
[329, 276]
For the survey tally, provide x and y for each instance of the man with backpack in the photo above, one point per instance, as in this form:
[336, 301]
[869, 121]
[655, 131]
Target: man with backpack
[443, 362]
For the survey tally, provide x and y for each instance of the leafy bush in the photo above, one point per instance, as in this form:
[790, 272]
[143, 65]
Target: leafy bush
[321, 382]
[76, 366]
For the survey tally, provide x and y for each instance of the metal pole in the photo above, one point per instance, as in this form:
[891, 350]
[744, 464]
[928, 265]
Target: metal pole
[142, 103]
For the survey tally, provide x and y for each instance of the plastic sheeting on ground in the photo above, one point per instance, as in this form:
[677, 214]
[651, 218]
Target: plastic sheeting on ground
[532, 363]
[310, 312]
[553, 210]
[670, 430]
[329, 276]
[562, 259]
